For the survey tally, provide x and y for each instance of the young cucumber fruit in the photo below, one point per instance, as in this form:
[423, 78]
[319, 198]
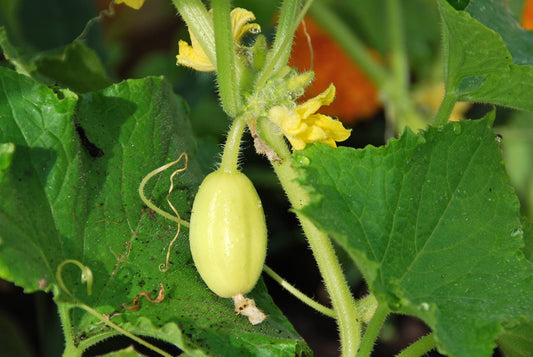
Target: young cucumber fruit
[227, 233]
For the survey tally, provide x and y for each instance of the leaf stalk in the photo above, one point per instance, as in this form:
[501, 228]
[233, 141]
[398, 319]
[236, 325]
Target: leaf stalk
[420, 347]
[372, 330]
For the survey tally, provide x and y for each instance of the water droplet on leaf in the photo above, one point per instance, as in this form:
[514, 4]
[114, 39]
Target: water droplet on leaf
[301, 161]
[424, 306]
[457, 128]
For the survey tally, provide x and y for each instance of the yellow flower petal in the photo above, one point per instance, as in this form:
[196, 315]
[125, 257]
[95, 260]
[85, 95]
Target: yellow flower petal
[240, 25]
[301, 125]
[135, 4]
[313, 104]
[333, 128]
[296, 143]
[195, 57]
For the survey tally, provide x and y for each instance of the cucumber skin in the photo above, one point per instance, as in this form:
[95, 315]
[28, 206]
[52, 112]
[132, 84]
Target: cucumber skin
[227, 233]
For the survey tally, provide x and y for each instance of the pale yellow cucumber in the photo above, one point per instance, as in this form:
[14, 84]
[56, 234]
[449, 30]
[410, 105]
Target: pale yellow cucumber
[227, 233]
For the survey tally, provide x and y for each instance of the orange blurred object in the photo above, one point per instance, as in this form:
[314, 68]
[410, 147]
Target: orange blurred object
[356, 98]
[527, 15]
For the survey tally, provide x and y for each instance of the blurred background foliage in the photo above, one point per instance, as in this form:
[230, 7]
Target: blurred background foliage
[49, 37]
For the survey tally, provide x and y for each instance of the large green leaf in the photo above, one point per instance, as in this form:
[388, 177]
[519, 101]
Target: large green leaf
[74, 66]
[54, 23]
[71, 193]
[488, 58]
[517, 341]
[433, 224]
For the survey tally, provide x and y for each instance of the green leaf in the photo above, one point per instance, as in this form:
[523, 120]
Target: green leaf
[71, 193]
[496, 15]
[54, 23]
[433, 224]
[528, 239]
[488, 57]
[517, 144]
[517, 341]
[74, 66]
[6, 155]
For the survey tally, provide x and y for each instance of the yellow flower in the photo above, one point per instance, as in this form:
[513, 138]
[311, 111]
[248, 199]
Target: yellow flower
[194, 56]
[302, 125]
[136, 4]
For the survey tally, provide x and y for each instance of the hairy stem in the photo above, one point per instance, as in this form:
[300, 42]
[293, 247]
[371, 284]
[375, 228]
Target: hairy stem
[116, 327]
[230, 156]
[344, 305]
[281, 49]
[367, 307]
[445, 109]
[228, 84]
[420, 347]
[372, 331]
[298, 294]
[339, 291]
[70, 349]
[199, 23]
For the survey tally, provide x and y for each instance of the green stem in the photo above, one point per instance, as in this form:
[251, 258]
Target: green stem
[70, 349]
[445, 109]
[122, 331]
[298, 294]
[287, 17]
[281, 49]
[96, 339]
[372, 331]
[400, 69]
[230, 156]
[228, 84]
[400, 108]
[420, 347]
[367, 307]
[353, 46]
[341, 298]
[199, 23]
[339, 291]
